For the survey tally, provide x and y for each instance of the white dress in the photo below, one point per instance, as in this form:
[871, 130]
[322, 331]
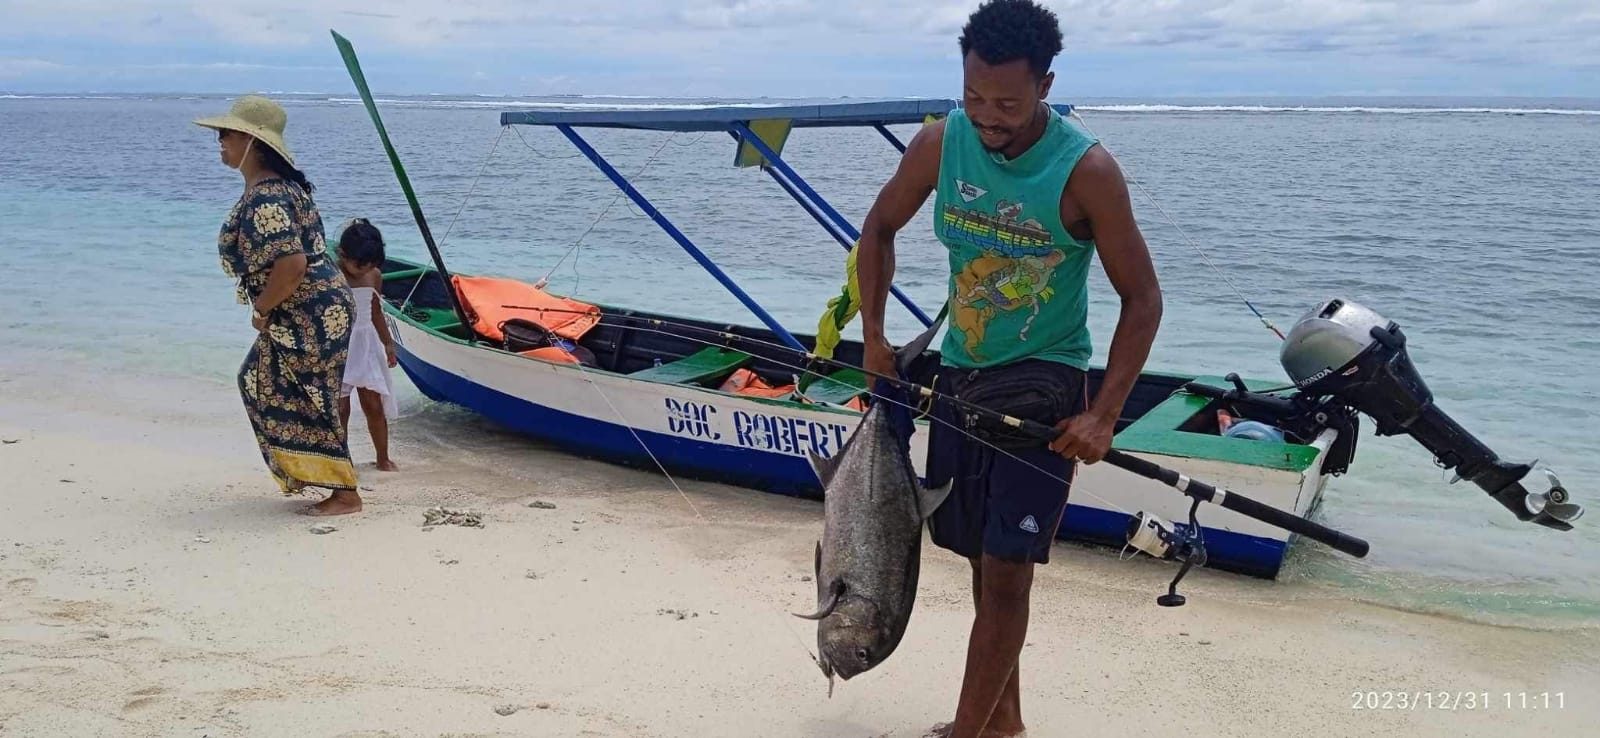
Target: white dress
[368, 365]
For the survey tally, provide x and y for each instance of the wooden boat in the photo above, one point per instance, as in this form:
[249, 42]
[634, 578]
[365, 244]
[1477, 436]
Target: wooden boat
[718, 401]
[654, 397]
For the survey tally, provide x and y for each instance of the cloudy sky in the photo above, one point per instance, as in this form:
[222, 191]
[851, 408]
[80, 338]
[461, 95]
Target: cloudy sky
[739, 48]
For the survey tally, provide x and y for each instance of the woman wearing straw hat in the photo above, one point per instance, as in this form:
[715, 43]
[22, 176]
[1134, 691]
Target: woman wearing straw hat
[272, 243]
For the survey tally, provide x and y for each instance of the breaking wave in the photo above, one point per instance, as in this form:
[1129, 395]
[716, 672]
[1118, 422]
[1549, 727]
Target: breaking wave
[1156, 108]
[549, 104]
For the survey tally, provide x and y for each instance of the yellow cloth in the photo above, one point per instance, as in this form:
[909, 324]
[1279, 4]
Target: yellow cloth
[841, 310]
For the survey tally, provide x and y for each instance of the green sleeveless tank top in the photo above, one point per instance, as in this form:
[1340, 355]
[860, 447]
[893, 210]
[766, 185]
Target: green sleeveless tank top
[1018, 280]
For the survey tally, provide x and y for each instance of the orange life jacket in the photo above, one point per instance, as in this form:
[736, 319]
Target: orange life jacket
[490, 301]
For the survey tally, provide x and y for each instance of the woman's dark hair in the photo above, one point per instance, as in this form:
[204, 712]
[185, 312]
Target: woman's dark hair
[273, 160]
[362, 243]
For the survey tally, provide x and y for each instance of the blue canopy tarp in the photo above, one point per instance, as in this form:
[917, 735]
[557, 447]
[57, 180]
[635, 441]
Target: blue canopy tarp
[720, 118]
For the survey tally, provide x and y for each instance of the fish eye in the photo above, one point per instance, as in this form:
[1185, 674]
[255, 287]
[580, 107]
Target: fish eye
[863, 654]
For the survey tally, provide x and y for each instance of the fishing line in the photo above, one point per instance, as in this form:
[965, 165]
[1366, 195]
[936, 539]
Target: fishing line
[622, 419]
[1194, 489]
[634, 208]
[536, 150]
[1185, 234]
[1186, 544]
[545, 280]
[459, 210]
[675, 486]
[917, 388]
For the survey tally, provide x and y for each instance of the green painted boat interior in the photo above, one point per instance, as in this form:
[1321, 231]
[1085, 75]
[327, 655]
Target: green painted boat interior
[439, 320]
[1160, 417]
[710, 364]
[839, 387]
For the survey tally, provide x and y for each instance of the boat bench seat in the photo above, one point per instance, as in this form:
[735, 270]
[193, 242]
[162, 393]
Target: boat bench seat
[838, 388]
[707, 363]
[404, 274]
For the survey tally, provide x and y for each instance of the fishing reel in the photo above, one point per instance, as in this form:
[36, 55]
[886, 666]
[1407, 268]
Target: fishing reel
[1171, 542]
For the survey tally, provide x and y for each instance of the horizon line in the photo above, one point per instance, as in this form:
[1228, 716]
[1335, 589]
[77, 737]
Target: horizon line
[620, 96]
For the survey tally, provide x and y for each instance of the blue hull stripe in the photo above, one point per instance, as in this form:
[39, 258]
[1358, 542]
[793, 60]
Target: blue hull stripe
[770, 472]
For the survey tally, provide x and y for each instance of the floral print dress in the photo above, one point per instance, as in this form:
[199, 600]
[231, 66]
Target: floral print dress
[291, 376]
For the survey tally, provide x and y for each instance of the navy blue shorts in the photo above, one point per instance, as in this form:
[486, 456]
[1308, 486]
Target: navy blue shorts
[1000, 504]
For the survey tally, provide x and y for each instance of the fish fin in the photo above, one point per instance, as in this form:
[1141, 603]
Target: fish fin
[823, 467]
[827, 607]
[929, 500]
[909, 352]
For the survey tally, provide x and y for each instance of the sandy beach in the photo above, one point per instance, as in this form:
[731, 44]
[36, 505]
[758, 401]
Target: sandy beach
[153, 583]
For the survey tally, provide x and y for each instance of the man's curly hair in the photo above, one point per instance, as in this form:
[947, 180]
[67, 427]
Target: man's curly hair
[1003, 31]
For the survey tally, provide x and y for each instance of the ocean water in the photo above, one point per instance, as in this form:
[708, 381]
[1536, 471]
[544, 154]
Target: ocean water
[1471, 222]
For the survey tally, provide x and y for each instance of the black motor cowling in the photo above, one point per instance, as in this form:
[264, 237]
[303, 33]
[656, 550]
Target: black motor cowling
[1349, 353]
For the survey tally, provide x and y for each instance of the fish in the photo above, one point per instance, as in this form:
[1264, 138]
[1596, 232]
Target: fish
[869, 557]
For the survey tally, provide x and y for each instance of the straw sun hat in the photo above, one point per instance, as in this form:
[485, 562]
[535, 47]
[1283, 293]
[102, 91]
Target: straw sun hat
[256, 116]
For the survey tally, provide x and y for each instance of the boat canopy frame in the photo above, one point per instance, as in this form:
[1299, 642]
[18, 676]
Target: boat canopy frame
[760, 133]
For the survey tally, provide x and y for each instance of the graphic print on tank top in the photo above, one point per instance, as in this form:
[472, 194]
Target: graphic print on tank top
[1017, 276]
[1013, 273]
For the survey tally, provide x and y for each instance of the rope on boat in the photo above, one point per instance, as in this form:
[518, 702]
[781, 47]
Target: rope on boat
[459, 210]
[632, 208]
[536, 150]
[1181, 232]
[545, 280]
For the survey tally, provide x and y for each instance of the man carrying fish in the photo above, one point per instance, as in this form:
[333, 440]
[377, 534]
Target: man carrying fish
[1023, 202]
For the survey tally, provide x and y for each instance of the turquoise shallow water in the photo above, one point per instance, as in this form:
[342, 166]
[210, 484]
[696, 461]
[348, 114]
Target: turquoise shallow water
[1471, 222]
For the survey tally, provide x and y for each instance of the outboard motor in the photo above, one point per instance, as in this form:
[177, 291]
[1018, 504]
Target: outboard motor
[1349, 353]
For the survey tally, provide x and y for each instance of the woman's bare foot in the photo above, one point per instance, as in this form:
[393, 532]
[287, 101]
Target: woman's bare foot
[341, 502]
[387, 465]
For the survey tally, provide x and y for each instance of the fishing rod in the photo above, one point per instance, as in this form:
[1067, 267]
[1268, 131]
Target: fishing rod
[1145, 532]
[1344, 359]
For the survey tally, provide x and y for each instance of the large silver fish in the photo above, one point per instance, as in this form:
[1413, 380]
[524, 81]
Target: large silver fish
[871, 549]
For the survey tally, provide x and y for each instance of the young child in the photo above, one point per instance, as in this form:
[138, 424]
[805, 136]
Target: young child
[366, 371]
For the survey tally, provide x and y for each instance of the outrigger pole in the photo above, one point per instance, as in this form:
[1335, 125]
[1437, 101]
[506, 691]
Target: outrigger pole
[816, 206]
[826, 216]
[354, 67]
[883, 129]
[666, 225]
[810, 207]
[738, 122]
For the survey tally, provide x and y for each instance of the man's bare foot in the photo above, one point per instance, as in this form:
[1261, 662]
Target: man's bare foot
[1002, 725]
[387, 465]
[942, 730]
[341, 502]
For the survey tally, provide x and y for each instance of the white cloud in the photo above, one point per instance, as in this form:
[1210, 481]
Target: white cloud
[1561, 34]
[1276, 24]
